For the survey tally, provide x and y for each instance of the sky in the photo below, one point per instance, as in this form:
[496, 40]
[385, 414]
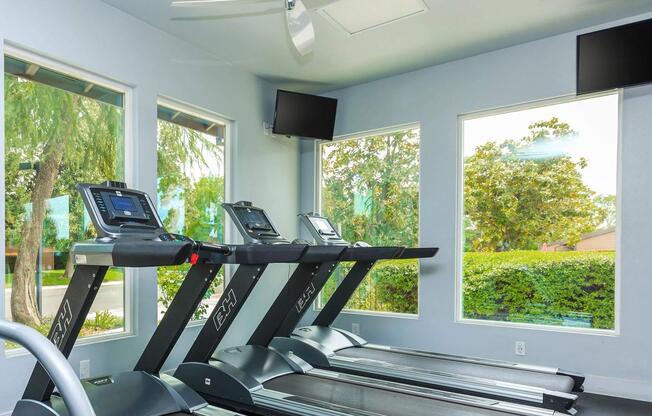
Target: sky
[594, 119]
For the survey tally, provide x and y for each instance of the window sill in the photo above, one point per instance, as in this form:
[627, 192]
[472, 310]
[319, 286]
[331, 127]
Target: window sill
[411, 316]
[540, 327]
[99, 339]
[197, 323]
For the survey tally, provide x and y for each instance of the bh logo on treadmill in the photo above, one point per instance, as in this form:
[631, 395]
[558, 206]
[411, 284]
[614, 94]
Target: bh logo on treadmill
[224, 310]
[61, 325]
[305, 298]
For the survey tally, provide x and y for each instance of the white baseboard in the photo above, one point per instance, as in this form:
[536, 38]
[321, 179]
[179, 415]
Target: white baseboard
[619, 387]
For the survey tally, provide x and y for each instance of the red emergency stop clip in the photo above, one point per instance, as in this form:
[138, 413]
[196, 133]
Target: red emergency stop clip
[194, 258]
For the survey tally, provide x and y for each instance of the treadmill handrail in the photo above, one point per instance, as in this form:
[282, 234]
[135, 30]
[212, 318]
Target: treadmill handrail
[54, 363]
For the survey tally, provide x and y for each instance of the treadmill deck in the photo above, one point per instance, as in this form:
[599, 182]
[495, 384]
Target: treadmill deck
[552, 382]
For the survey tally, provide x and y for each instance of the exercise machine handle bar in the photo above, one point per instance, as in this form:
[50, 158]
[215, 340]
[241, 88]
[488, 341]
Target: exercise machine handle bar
[54, 363]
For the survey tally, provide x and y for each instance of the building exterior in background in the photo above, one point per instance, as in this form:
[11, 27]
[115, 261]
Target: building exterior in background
[601, 240]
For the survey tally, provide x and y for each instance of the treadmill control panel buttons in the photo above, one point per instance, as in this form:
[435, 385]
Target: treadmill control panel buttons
[253, 223]
[116, 210]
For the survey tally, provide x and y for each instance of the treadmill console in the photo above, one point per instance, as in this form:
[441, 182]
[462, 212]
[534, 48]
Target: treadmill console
[322, 230]
[117, 211]
[253, 223]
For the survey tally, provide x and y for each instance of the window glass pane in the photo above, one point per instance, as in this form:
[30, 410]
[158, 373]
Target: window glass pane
[540, 214]
[53, 140]
[370, 191]
[190, 191]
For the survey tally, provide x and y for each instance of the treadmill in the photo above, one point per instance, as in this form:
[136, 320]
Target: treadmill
[130, 234]
[261, 380]
[331, 348]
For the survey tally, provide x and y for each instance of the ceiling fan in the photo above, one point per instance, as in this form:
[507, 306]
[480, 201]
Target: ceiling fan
[298, 20]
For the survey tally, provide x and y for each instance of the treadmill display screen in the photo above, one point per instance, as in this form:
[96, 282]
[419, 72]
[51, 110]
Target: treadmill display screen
[323, 226]
[254, 219]
[123, 203]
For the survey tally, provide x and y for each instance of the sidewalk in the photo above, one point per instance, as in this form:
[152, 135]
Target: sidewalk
[110, 297]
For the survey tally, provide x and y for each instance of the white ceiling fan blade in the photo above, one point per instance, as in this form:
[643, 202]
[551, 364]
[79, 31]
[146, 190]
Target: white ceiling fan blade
[191, 3]
[300, 28]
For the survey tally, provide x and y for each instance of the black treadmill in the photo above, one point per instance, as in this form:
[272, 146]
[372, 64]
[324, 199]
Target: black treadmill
[331, 348]
[255, 378]
[130, 234]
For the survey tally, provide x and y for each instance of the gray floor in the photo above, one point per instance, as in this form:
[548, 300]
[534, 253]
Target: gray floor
[594, 405]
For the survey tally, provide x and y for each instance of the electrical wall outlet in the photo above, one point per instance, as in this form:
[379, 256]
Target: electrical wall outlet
[519, 348]
[85, 369]
[355, 328]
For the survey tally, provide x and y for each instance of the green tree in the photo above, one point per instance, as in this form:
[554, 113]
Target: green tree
[53, 139]
[371, 188]
[608, 204]
[185, 158]
[521, 193]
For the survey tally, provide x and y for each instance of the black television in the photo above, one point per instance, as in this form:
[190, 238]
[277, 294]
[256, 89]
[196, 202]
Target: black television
[615, 58]
[304, 115]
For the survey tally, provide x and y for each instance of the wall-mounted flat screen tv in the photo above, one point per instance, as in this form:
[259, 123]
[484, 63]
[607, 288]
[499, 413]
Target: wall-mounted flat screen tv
[304, 115]
[615, 58]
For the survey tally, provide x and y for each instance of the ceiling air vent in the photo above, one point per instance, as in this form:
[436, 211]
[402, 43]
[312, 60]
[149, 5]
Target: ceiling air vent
[357, 16]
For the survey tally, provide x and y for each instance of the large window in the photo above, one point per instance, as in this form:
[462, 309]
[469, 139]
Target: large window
[191, 187]
[59, 130]
[370, 191]
[539, 214]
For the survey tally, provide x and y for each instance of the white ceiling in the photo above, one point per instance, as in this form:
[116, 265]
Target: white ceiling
[253, 36]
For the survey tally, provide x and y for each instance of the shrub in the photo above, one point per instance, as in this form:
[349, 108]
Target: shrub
[555, 288]
[170, 280]
[392, 286]
[566, 288]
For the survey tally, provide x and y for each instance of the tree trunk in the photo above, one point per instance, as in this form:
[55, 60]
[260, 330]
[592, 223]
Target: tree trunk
[70, 268]
[23, 294]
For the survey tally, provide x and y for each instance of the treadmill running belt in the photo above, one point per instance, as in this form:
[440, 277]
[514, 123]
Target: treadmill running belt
[547, 381]
[382, 402]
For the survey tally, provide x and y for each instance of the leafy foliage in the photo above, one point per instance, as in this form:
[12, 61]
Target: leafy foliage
[102, 322]
[518, 194]
[370, 190]
[557, 288]
[391, 286]
[193, 187]
[53, 140]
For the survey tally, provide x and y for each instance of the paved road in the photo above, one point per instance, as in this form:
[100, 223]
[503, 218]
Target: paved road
[110, 297]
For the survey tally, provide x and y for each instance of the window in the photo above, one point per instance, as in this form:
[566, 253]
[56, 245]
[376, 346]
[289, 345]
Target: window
[59, 130]
[370, 191]
[191, 187]
[539, 214]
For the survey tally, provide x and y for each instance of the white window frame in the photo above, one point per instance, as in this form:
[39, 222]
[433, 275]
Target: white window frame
[130, 274]
[228, 124]
[317, 151]
[459, 247]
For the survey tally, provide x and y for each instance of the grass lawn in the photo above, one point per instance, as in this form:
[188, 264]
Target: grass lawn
[55, 277]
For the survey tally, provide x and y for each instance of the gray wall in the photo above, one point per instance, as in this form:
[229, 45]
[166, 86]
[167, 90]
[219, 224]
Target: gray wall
[93, 36]
[435, 97]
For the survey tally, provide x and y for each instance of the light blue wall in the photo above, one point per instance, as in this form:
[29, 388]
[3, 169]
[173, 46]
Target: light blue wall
[93, 36]
[435, 97]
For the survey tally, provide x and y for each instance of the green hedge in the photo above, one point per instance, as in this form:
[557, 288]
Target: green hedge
[566, 288]
[392, 286]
